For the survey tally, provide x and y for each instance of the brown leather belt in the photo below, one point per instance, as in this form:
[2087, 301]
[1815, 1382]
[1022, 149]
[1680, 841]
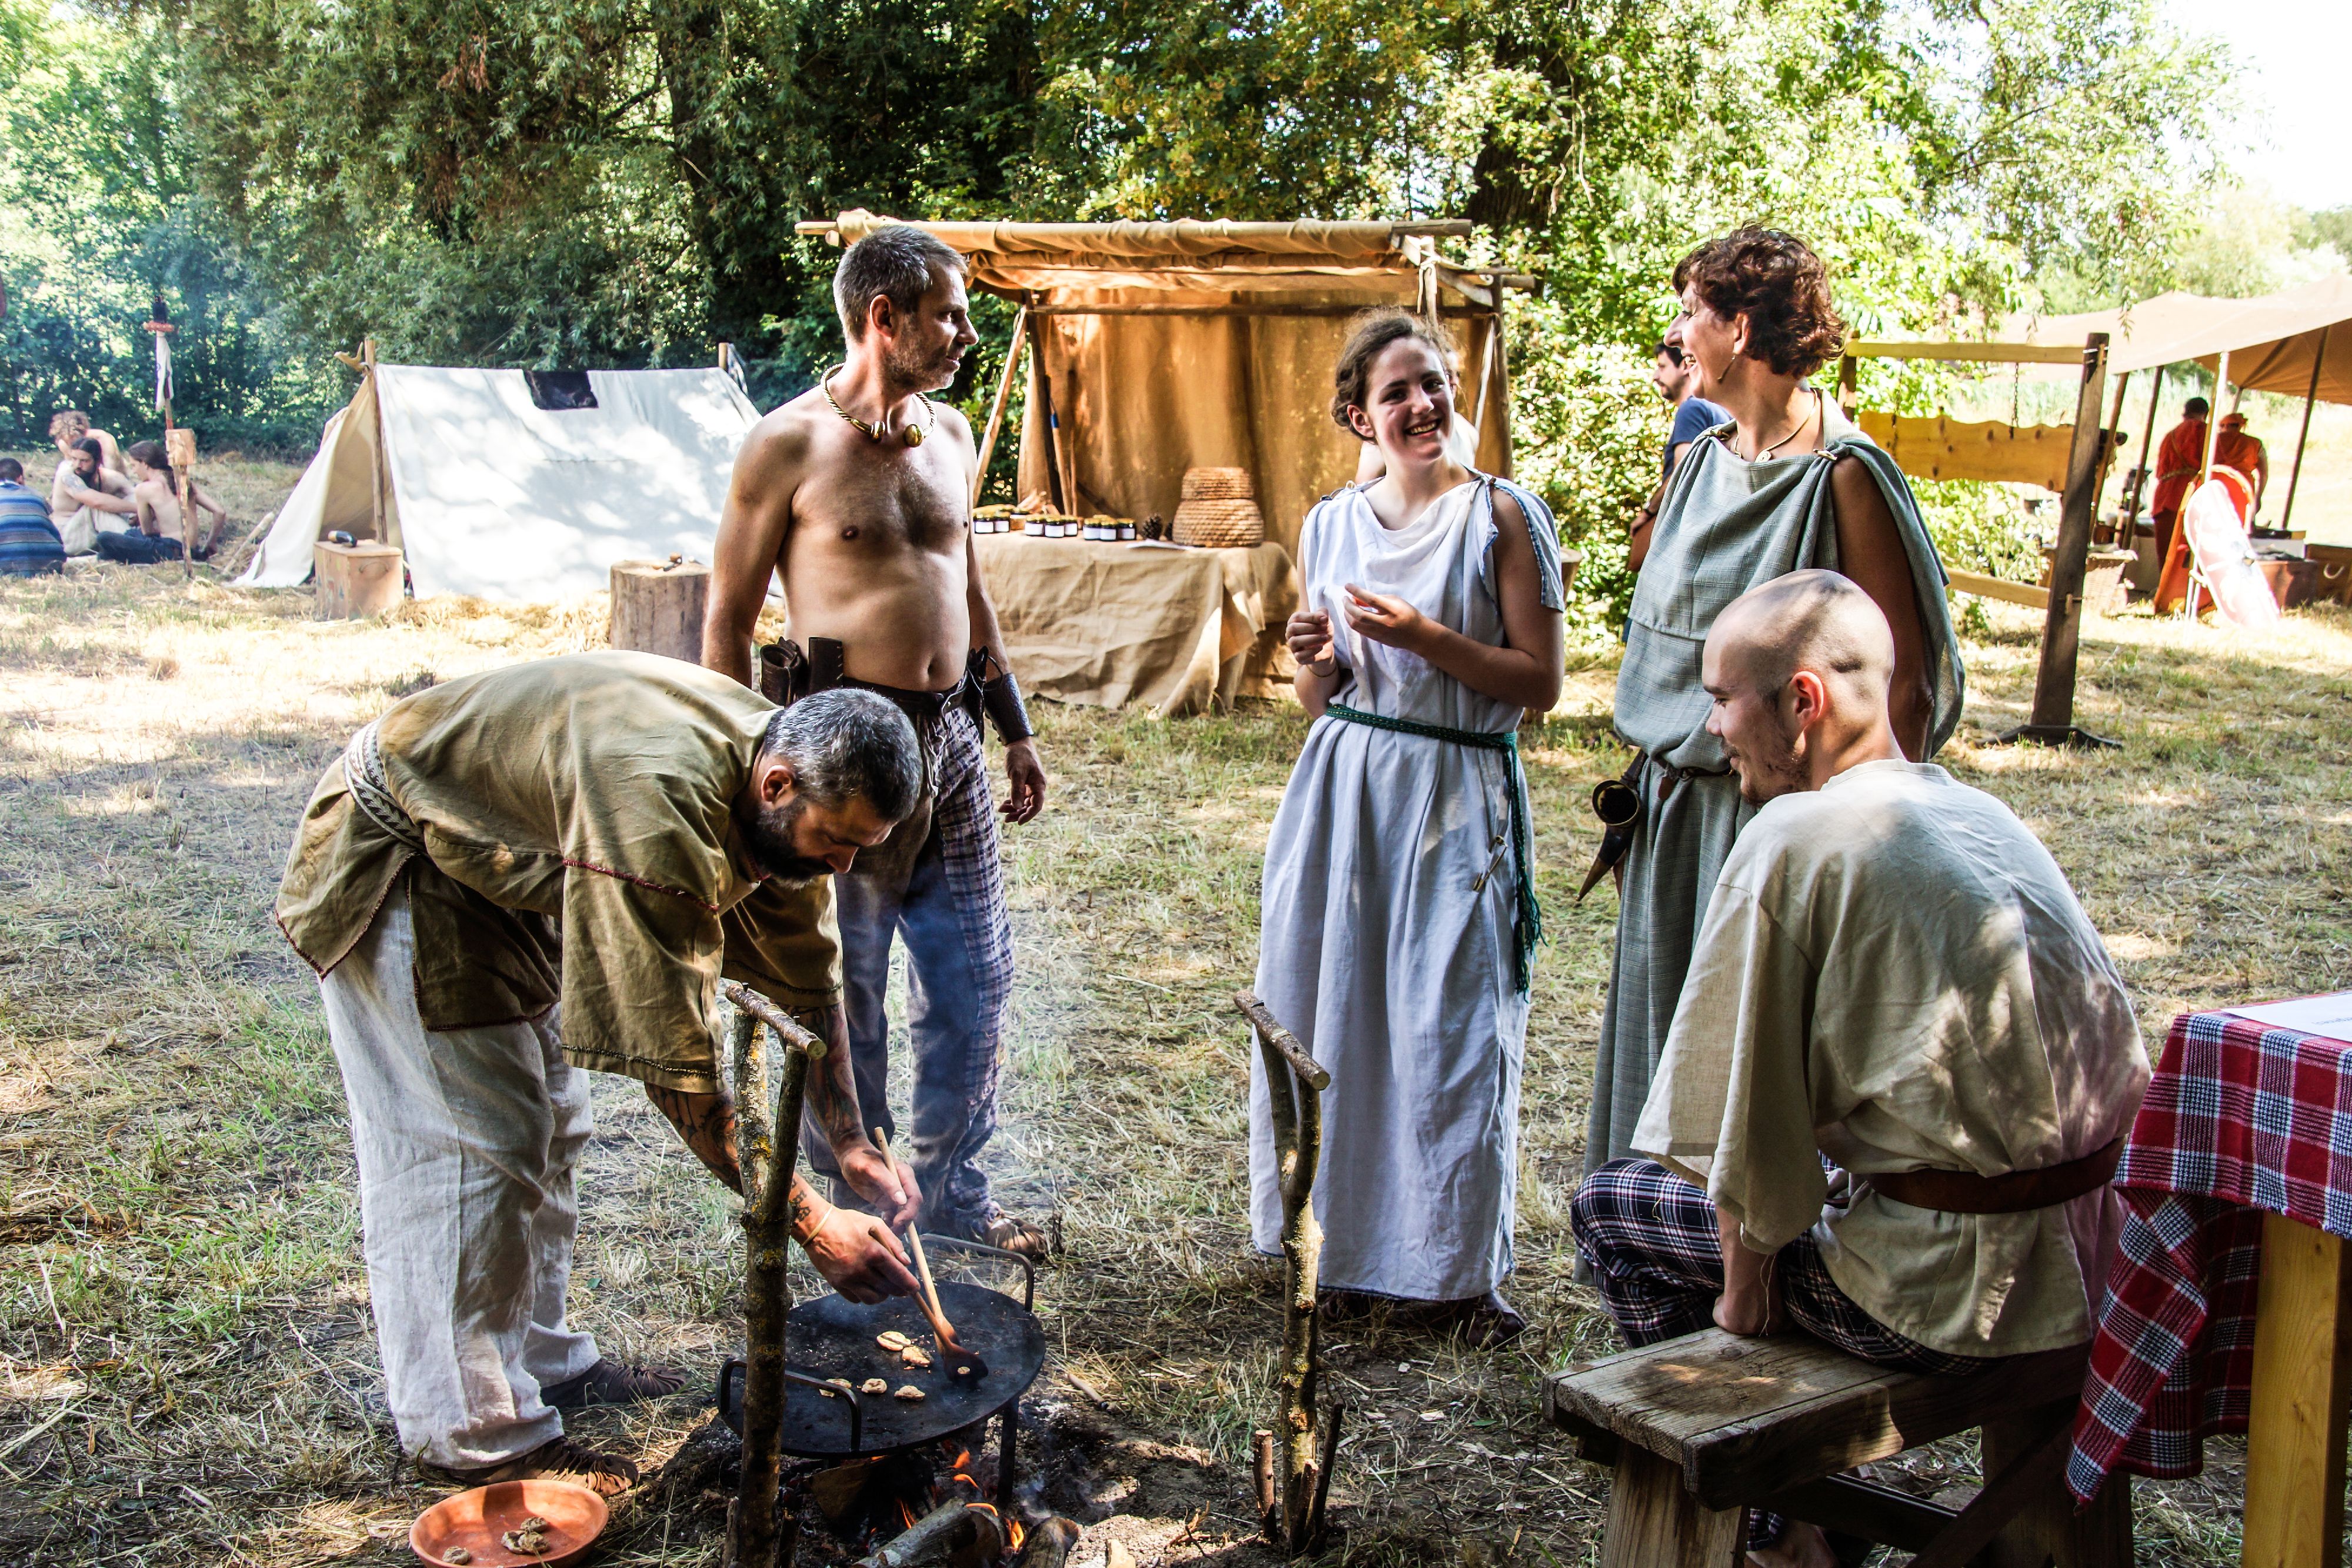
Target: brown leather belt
[2014, 1192]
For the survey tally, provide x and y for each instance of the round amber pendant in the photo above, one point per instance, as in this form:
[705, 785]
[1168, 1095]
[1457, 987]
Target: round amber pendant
[914, 436]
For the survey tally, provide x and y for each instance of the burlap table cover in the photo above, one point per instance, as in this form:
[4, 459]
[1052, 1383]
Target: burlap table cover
[1110, 624]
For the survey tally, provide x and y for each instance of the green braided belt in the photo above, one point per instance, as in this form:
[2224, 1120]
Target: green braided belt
[1529, 922]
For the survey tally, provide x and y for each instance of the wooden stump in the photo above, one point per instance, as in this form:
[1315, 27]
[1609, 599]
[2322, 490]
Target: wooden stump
[658, 607]
[356, 580]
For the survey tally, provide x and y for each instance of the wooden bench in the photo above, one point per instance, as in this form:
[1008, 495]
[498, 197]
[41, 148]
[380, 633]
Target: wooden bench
[1703, 1428]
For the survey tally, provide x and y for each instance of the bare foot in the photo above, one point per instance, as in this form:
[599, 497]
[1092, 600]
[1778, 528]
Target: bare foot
[1801, 1546]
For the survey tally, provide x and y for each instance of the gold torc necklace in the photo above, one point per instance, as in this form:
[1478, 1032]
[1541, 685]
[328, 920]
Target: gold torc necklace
[912, 435]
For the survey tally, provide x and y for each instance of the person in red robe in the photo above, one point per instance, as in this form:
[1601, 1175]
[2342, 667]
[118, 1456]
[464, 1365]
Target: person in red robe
[2244, 469]
[2233, 449]
[2178, 462]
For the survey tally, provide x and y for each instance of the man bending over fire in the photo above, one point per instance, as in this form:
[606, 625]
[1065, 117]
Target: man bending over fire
[1894, 976]
[515, 876]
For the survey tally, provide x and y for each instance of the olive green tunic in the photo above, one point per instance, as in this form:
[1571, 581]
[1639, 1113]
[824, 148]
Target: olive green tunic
[569, 836]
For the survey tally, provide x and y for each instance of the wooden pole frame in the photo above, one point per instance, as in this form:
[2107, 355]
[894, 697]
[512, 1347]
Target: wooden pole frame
[996, 409]
[2294, 475]
[2146, 465]
[2052, 720]
[1295, 1083]
[767, 1153]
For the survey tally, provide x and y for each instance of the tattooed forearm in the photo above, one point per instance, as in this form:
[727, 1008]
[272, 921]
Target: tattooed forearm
[806, 1213]
[707, 1123]
[833, 1087]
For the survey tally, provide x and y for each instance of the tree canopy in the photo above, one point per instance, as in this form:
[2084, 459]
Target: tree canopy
[548, 182]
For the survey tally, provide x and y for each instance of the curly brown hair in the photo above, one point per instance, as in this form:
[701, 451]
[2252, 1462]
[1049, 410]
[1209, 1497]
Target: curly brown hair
[1368, 337]
[1773, 279]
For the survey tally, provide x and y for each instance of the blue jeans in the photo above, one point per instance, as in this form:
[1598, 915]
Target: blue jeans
[937, 883]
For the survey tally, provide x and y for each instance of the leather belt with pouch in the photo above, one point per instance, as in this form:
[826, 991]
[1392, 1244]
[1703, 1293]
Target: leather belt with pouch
[787, 674]
[2012, 1192]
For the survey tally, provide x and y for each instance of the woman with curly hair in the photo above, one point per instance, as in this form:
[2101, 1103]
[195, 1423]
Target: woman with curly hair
[1789, 484]
[1398, 914]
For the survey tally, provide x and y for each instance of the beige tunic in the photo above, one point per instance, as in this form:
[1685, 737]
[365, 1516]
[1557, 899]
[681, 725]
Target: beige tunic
[580, 843]
[1895, 972]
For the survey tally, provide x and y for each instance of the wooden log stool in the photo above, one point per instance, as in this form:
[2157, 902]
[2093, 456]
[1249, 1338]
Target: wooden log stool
[1703, 1428]
[658, 607]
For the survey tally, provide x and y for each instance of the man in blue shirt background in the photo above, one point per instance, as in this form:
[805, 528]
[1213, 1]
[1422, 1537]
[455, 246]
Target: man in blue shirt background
[1676, 380]
[29, 544]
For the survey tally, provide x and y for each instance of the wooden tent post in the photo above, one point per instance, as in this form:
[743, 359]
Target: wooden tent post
[2115, 433]
[1503, 381]
[996, 409]
[2052, 722]
[376, 472]
[2294, 475]
[2146, 463]
[2213, 418]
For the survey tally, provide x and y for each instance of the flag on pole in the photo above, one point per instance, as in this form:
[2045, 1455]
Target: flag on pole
[160, 318]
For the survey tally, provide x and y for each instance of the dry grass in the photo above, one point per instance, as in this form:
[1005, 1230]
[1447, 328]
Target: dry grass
[187, 1372]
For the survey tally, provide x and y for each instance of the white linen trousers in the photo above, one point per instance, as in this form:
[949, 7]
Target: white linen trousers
[466, 1140]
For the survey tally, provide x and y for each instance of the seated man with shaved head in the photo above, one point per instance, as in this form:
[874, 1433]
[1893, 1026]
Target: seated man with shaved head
[1894, 981]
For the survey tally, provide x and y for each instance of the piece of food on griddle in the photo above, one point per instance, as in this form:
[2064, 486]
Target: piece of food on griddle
[527, 1541]
[458, 1555]
[842, 1383]
[875, 1385]
[910, 1394]
[915, 1356]
[892, 1340]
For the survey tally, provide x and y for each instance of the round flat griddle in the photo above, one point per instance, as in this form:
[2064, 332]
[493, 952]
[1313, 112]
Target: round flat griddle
[829, 1337]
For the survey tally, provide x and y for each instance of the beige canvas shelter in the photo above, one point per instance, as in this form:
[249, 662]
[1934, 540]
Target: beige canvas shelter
[1164, 346]
[2297, 342]
[487, 493]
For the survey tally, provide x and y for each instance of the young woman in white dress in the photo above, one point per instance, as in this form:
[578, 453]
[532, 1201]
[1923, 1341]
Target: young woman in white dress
[1399, 915]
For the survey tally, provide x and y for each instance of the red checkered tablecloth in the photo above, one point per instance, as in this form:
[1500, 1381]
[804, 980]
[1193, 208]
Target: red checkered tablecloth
[2240, 1120]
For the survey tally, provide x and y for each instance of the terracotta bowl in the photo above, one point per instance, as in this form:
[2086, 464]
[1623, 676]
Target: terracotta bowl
[476, 1519]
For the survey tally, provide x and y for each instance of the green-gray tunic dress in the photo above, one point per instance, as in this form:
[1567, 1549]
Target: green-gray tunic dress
[1725, 526]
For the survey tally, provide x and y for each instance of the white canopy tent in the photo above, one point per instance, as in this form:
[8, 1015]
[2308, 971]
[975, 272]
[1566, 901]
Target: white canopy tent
[489, 494]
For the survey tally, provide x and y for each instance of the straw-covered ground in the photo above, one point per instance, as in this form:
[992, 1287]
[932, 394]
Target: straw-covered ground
[187, 1368]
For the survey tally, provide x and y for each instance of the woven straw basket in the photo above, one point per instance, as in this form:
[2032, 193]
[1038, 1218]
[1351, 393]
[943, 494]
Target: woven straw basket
[1219, 484]
[1220, 524]
[1219, 509]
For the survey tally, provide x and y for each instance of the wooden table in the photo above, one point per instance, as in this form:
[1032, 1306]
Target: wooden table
[2229, 1305]
[2303, 1378]
[1174, 630]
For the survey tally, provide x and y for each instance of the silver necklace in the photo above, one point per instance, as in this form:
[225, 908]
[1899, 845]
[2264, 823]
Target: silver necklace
[1806, 419]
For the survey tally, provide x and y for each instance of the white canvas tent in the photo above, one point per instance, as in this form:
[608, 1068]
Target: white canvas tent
[489, 494]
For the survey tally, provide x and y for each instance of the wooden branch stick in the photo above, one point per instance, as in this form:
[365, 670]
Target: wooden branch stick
[1283, 1040]
[1330, 1462]
[1262, 1472]
[766, 1154]
[1294, 1081]
[810, 1046]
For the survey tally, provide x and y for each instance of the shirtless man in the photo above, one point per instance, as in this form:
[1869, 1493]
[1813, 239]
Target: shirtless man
[159, 503]
[87, 490]
[857, 494]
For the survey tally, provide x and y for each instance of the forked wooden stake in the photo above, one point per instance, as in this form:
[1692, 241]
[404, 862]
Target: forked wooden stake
[1295, 1083]
[766, 1151]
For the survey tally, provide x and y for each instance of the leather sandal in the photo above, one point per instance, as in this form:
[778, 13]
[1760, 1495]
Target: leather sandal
[610, 1382]
[561, 1459]
[1491, 1321]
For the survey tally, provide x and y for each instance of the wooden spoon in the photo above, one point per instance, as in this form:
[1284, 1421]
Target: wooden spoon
[961, 1363]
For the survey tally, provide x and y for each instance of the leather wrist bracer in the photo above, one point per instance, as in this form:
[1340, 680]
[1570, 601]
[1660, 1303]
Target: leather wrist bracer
[1001, 698]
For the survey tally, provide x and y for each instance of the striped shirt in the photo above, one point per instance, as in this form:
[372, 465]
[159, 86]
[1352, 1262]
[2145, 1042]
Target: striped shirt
[29, 543]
